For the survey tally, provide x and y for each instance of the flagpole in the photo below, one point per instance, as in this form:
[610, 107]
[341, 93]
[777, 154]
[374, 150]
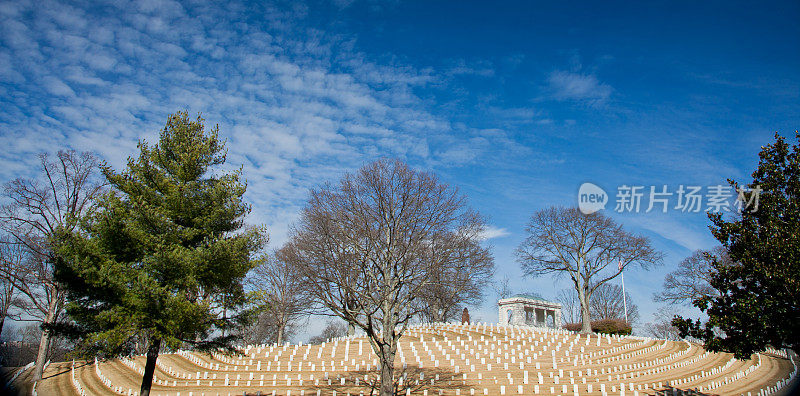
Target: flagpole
[624, 300]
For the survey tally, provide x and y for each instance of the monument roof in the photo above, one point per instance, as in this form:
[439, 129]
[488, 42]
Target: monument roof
[527, 296]
[532, 296]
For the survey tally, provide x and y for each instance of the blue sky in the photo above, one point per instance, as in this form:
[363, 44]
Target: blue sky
[516, 104]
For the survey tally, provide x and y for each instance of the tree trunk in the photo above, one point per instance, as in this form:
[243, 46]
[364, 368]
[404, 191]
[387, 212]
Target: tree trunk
[41, 355]
[433, 313]
[2, 321]
[6, 306]
[351, 329]
[387, 370]
[439, 316]
[44, 341]
[586, 319]
[150, 366]
[280, 333]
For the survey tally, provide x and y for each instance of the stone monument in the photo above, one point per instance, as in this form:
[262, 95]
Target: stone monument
[529, 310]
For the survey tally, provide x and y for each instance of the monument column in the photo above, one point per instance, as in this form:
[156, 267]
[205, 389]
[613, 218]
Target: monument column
[501, 314]
[519, 314]
[558, 318]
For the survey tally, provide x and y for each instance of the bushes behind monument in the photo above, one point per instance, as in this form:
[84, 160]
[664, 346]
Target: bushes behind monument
[604, 326]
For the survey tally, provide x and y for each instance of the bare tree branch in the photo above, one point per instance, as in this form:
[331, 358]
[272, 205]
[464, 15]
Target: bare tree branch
[590, 249]
[383, 239]
[661, 326]
[607, 303]
[276, 285]
[691, 280]
[37, 209]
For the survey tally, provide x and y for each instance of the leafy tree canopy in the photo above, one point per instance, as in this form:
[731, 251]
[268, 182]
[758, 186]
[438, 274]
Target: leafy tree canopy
[759, 290]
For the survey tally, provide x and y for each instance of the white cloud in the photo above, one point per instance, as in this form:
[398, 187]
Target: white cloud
[297, 106]
[479, 68]
[579, 87]
[57, 87]
[682, 233]
[492, 232]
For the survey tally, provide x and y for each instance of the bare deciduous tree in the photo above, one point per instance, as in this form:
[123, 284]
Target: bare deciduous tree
[21, 344]
[502, 288]
[691, 280]
[37, 208]
[570, 306]
[262, 330]
[12, 257]
[7, 295]
[276, 286]
[585, 247]
[661, 326]
[332, 329]
[462, 268]
[607, 303]
[365, 248]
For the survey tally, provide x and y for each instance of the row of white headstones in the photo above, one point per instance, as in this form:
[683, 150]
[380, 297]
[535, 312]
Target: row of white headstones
[512, 335]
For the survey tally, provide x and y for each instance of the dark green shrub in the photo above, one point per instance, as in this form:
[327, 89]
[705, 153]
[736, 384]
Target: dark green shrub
[604, 326]
[611, 326]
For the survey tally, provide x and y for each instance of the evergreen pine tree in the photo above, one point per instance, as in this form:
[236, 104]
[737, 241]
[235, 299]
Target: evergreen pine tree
[163, 258]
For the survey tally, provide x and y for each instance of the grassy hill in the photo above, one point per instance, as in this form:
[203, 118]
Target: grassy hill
[447, 359]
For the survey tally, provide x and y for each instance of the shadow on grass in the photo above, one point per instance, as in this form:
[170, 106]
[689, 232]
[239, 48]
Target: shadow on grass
[792, 388]
[25, 378]
[65, 369]
[672, 391]
[413, 380]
